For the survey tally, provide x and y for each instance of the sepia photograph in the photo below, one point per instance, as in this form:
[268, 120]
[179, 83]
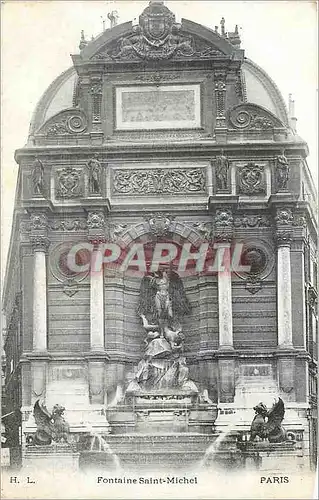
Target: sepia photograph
[159, 263]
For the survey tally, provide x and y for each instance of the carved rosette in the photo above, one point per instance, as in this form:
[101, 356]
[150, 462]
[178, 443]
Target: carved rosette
[39, 231]
[284, 222]
[220, 98]
[223, 223]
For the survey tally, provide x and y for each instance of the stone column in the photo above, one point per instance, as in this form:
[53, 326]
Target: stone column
[96, 226]
[284, 304]
[96, 304]
[39, 242]
[226, 362]
[223, 233]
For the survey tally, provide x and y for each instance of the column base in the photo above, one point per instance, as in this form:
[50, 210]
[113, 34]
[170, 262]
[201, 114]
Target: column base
[226, 348]
[285, 347]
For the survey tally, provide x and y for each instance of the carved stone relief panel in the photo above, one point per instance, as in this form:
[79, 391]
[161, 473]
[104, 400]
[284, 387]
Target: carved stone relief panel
[69, 183]
[158, 181]
[251, 179]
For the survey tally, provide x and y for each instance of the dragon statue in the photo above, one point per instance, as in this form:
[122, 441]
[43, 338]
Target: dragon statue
[50, 427]
[267, 423]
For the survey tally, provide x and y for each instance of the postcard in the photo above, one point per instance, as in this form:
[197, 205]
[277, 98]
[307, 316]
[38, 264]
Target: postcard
[160, 272]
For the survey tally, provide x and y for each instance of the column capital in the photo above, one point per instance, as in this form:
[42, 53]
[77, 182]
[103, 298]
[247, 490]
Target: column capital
[39, 231]
[283, 237]
[96, 223]
[223, 225]
[284, 229]
[39, 242]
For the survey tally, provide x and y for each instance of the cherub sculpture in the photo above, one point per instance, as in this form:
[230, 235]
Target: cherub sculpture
[50, 427]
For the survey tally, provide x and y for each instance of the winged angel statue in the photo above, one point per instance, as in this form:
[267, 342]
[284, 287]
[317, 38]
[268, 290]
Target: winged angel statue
[162, 304]
[50, 426]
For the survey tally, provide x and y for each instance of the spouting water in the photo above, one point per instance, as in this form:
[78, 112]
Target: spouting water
[214, 447]
[98, 443]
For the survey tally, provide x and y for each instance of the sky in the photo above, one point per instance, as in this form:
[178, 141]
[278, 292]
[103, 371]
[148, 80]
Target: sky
[39, 36]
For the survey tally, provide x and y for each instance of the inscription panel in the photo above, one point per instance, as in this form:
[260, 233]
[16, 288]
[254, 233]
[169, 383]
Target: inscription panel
[158, 107]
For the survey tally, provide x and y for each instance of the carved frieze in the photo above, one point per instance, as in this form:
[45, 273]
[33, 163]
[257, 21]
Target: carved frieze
[251, 179]
[67, 122]
[69, 183]
[244, 221]
[68, 225]
[251, 116]
[159, 181]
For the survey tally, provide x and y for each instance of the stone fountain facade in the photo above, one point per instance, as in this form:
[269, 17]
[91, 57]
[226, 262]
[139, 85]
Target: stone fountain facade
[162, 132]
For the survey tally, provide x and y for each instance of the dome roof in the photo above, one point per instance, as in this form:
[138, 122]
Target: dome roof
[58, 96]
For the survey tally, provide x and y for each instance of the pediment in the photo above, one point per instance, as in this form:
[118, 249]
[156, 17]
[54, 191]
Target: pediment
[158, 37]
[135, 47]
[68, 122]
[251, 116]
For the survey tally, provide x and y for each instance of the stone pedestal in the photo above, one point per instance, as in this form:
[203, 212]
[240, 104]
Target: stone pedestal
[52, 458]
[226, 380]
